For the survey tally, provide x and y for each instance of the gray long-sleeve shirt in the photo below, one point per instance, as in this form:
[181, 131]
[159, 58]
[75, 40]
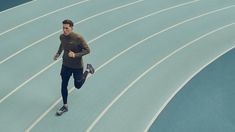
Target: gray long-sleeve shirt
[78, 45]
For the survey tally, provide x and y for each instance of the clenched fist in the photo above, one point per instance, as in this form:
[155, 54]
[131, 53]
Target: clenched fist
[71, 54]
[56, 56]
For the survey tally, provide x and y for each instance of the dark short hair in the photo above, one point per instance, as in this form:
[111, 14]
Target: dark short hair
[67, 21]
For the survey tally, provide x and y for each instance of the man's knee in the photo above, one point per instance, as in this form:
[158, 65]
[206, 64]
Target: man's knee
[78, 84]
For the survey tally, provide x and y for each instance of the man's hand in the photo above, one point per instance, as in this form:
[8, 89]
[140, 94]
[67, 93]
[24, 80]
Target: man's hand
[56, 56]
[71, 54]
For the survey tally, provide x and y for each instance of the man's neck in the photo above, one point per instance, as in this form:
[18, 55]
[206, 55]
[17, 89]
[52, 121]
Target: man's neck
[69, 35]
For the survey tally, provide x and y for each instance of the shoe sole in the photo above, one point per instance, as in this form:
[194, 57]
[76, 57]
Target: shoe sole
[92, 70]
[57, 114]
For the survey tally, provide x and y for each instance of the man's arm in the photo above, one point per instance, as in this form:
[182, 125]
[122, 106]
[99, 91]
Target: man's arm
[57, 55]
[85, 47]
[58, 52]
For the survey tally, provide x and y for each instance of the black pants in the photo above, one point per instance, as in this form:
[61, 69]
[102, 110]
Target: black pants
[79, 79]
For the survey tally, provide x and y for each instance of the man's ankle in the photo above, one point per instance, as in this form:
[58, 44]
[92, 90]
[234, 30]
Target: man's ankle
[66, 105]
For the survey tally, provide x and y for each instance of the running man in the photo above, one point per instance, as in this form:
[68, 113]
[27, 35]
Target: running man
[74, 47]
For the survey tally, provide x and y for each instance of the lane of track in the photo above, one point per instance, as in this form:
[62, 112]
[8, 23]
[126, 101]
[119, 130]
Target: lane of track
[206, 102]
[103, 36]
[7, 6]
[85, 105]
[147, 94]
[20, 41]
[218, 51]
[59, 31]
[37, 86]
[32, 11]
[85, 95]
[41, 88]
[30, 56]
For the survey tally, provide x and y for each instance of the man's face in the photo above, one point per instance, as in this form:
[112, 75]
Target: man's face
[67, 29]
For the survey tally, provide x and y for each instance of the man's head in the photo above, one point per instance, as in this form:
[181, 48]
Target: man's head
[67, 27]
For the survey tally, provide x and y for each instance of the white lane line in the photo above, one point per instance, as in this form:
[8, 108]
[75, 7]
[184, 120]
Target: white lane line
[21, 5]
[34, 76]
[172, 96]
[146, 72]
[32, 20]
[53, 105]
[86, 19]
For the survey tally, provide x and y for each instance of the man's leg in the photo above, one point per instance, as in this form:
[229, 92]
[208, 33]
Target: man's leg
[80, 77]
[65, 76]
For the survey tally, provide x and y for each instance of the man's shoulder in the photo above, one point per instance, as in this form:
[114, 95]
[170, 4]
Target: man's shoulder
[77, 35]
[61, 36]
